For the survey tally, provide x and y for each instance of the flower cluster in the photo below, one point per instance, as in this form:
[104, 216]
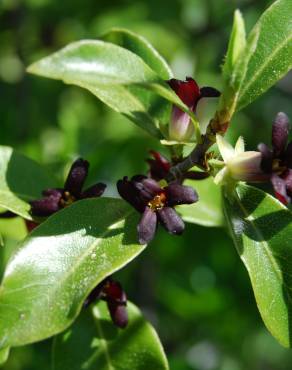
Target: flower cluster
[261, 166]
[58, 198]
[112, 292]
[156, 204]
[277, 163]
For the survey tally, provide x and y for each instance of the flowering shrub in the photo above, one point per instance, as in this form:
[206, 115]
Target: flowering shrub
[79, 238]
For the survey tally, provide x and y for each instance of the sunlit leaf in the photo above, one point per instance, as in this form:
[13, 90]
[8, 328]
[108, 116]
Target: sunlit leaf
[59, 263]
[272, 55]
[140, 46]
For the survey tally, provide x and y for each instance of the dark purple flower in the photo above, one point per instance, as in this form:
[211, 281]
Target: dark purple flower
[57, 198]
[156, 204]
[278, 161]
[112, 292]
[181, 127]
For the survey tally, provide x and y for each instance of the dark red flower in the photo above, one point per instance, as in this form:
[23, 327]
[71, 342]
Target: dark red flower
[156, 204]
[112, 292]
[159, 166]
[278, 161]
[57, 198]
[181, 128]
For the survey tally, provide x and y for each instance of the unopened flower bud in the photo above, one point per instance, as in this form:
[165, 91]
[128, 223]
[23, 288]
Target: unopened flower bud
[238, 164]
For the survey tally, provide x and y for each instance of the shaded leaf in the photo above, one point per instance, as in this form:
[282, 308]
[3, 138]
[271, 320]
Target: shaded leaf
[59, 263]
[140, 46]
[208, 210]
[21, 180]
[93, 342]
[262, 230]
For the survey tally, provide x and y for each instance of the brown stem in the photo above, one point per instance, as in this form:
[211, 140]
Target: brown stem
[197, 157]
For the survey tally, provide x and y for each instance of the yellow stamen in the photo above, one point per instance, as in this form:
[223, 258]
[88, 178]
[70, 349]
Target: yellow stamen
[67, 199]
[157, 202]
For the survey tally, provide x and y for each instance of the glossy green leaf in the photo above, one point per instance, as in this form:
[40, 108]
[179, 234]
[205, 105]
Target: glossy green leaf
[93, 342]
[118, 77]
[140, 46]
[272, 56]
[21, 180]
[236, 44]
[59, 263]
[208, 210]
[262, 230]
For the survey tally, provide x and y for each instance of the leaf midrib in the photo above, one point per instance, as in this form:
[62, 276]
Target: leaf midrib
[263, 66]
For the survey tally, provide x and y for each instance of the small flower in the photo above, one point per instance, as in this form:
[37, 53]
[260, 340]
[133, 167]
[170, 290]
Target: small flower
[181, 127]
[112, 292]
[57, 198]
[156, 204]
[238, 164]
[277, 163]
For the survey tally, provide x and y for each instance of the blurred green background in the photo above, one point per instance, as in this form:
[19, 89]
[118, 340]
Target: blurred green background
[194, 289]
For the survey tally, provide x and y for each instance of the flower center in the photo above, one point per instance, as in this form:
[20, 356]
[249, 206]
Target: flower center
[67, 199]
[157, 202]
[277, 167]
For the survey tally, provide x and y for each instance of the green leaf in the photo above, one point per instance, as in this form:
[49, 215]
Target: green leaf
[272, 56]
[4, 354]
[21, 180]
[118, 77]
[112, 74]
[236, 45]
[208, 210]
[262, 231]
[93, 342]
[59, 263]
[140, 46]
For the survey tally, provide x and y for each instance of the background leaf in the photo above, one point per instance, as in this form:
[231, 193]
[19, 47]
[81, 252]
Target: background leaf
[59, 263]
[262, 230]
[93, 342]
[208, 210]
[141, 47]
[21, 180]
[272, 57]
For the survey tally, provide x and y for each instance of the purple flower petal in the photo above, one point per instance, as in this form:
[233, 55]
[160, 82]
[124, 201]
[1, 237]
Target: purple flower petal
[280, 133]
[147, 188]
[180, 194]
[288, 181]
[147, 226]
[76, 177]
[288, 155]
[279, 186]
[131, 194]
[119, 314]
[171, 220]
[55, 192]
[46, 206]
[267, 157]
[94, 191]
